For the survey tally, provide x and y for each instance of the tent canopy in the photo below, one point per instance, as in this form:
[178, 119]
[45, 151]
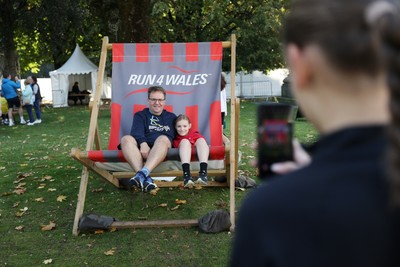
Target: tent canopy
[77, 68]
[78, 63]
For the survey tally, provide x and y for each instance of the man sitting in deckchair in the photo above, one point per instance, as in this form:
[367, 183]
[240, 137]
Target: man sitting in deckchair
[151, 136]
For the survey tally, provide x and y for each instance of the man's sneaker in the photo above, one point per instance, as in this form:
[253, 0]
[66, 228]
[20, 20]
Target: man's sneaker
[23, 122]
[11, 123]
[37, 121]
[30, 123]
[203, 179]
[148, 185]
[188, 182]
[137, 180]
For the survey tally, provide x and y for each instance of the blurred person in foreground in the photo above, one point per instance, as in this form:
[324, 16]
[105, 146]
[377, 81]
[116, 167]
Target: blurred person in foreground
[341, 206]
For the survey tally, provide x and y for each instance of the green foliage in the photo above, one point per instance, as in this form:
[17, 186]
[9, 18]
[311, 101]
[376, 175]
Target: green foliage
[46, 31]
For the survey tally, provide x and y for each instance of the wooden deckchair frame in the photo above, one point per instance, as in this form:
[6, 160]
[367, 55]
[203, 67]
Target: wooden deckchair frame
[94, 140]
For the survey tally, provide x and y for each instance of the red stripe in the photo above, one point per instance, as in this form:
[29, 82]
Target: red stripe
[138, 107]
[115, 125]
[167, 52]
[217, 152]
[192, 52]
[142, 52]
[96, 155]
[169, 108]
[118, 52]
[215, 124]
[216, 51]
[121, 156]
[193, 113]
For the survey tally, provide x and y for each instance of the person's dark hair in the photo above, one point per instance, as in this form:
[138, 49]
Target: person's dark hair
[356, 36]
[34, 78]
[6, 74]
[223, 82]
[156, 89]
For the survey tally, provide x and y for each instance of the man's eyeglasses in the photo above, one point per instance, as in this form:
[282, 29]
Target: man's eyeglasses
[154, 100]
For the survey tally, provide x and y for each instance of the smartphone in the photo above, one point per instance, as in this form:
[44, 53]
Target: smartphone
[274, 136]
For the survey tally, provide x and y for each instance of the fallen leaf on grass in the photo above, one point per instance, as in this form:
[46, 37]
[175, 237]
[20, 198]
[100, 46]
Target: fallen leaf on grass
[99, 232]
[154, 191]
[21, 212]
[19, 180]
[48, 261]
[61, 198]
[20, 191]
[51, 189]
[97, 190]
[19, 228]
[23, 165]
[48, 227]
[5, 194]
[41, 186]
[24, 175]
[2, 168]
[110, 252]
[20, 185]
[39, 199]
[16, 204]
[198, 187]
[180, 201]
[163, 205]
[175, 208]
[47, 177]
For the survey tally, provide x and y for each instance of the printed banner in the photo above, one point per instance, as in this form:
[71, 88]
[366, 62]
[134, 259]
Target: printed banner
[189, 72]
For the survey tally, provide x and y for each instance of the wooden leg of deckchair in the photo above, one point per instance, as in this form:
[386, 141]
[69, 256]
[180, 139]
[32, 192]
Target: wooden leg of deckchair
[81, 200]
[154, 224]
[234, 168]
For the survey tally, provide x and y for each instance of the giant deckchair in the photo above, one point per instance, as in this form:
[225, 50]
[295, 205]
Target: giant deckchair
[192, 88]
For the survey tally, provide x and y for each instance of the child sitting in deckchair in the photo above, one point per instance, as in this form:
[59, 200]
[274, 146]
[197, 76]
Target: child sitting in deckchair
[184, 140]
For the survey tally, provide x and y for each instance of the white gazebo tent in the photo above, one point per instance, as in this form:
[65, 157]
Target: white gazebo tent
[78, 68]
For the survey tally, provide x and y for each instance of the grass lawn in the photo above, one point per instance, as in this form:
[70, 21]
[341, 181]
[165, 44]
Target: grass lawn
[39, 184]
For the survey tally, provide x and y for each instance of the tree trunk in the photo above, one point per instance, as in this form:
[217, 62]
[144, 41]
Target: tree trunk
[134, 25]
[7, 14]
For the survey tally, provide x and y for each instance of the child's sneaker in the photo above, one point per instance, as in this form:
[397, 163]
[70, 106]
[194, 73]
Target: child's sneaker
[23, 121]
[188, 182]
[11, 123]
[203, 179]
[148, 185]
[137, 180]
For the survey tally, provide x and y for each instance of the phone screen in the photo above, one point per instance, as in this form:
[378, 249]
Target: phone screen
[274, 136]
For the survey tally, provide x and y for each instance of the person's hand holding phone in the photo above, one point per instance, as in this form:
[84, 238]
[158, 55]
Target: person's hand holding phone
[300, 159]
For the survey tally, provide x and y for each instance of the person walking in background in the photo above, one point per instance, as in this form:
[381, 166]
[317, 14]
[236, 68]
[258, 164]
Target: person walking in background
[38, 98]
[341, 206]
[27, 101]
[185, 140]
[9, 91]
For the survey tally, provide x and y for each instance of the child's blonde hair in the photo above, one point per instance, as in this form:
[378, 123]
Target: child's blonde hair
[182, 117]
